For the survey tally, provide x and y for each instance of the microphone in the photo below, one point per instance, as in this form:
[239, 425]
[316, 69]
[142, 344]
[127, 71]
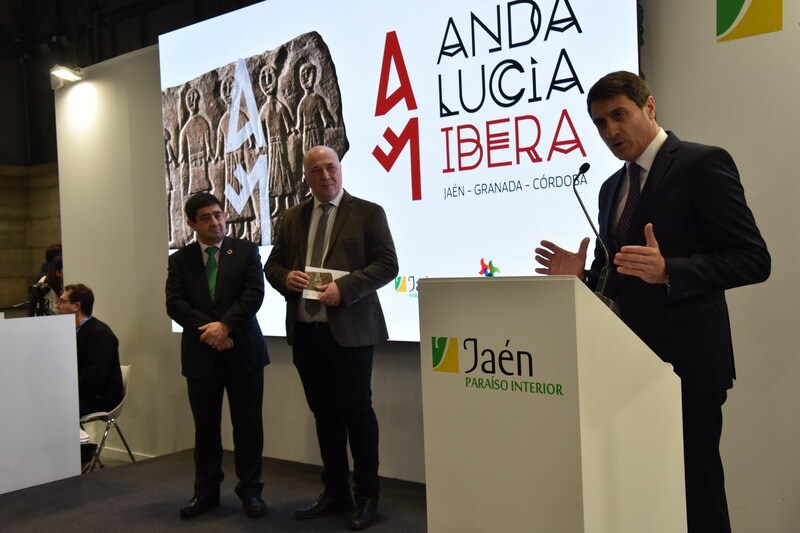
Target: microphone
[601, 282]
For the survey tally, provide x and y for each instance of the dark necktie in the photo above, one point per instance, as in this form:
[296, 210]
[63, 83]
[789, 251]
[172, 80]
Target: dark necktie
[211, 269]
[313, 306]
[634, 191]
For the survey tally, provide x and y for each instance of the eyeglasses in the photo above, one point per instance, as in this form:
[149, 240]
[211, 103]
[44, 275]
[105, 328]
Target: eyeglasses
[65, 301]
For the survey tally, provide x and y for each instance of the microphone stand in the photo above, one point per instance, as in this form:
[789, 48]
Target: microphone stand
[601, 282]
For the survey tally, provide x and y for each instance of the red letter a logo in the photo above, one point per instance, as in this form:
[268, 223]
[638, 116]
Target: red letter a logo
[393, 55]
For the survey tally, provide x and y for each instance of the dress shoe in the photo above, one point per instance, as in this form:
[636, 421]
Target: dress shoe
[366, 513]
[325, 504]
[254, 506]
[199, 505]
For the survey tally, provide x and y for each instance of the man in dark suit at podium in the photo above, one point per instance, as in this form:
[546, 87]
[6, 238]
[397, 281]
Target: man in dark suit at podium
[680, 233]
[333, 339]
[214, 289]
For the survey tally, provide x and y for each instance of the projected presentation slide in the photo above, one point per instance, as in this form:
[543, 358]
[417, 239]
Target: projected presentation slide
[466, 120]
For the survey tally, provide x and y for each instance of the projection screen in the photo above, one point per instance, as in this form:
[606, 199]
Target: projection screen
[466, 120]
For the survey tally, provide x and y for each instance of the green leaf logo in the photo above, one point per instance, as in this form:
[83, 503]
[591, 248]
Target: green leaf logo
[445, 354]
[745, 18]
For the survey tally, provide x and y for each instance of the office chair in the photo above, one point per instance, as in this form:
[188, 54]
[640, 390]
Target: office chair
[110, 418]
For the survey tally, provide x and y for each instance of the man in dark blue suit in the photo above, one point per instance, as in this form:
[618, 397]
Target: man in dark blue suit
[214, 289]
[333, 339]
[680, 234]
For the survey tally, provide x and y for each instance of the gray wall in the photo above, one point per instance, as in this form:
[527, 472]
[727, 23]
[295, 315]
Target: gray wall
[742, 95]
[29, 223]
[738, 94]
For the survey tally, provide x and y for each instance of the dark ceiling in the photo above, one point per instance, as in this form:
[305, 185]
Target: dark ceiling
[37, 34]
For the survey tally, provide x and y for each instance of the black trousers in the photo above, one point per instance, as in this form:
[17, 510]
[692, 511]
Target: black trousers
[87, 406]
[706, 502]
[337, 381]
[245, 398]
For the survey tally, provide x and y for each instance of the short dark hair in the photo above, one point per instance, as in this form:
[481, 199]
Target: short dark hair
[52, 251]
[619, 83]
[198, 201]
[82, 295]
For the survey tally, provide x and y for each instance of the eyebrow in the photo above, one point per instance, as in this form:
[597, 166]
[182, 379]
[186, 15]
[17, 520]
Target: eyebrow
[613, 112]
[320, 167]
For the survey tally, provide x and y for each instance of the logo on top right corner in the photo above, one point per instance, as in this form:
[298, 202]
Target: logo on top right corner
[745, 18]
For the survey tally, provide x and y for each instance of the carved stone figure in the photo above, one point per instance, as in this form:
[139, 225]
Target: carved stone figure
[297, 104]
[194, 144]
[278, 123]
[239, 225]
[312, 113]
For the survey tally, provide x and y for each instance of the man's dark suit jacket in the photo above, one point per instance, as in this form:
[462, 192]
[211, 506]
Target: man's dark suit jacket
[360, 243]
[239, 293]
[99, 376]
[709, 239]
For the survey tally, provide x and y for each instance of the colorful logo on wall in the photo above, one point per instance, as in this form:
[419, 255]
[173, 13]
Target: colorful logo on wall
[406, 284]
[400, 284]
[488, 270]
[445, 354]
[744, 18]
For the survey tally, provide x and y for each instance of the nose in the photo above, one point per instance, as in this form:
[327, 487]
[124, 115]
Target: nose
[610, 130]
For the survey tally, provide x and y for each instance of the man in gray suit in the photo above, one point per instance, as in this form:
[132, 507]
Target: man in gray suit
[333, 337]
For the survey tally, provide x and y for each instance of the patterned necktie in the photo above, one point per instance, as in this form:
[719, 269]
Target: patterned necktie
[211, 269]
[313, 306]
[634, 191]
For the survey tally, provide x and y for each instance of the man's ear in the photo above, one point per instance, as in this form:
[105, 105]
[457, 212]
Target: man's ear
[650, 107]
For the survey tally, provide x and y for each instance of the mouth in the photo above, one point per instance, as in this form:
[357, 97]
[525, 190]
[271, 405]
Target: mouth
[617, 147]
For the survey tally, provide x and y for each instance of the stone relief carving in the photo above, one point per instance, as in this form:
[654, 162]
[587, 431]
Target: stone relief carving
[288, 101]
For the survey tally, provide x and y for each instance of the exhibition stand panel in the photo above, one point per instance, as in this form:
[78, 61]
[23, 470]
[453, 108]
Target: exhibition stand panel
[543, 412]
[38, 401]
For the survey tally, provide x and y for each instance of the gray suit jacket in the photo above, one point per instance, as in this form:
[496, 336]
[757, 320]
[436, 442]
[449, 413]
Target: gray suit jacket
[360, 243]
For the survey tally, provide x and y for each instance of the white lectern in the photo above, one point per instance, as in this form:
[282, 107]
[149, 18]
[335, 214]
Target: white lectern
[38, 401]
[543, 412]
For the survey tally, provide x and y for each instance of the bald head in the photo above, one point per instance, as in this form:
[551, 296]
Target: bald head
[323, 173]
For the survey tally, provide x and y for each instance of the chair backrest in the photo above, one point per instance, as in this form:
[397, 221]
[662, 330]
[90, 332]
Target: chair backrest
[124, 370]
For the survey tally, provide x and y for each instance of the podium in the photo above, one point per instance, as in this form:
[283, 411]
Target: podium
[543, 412]
[38, 401]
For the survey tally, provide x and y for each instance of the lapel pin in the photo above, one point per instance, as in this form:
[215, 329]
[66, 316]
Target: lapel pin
[229, 251]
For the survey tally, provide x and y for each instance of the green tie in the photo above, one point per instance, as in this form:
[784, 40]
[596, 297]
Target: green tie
[211, 269]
